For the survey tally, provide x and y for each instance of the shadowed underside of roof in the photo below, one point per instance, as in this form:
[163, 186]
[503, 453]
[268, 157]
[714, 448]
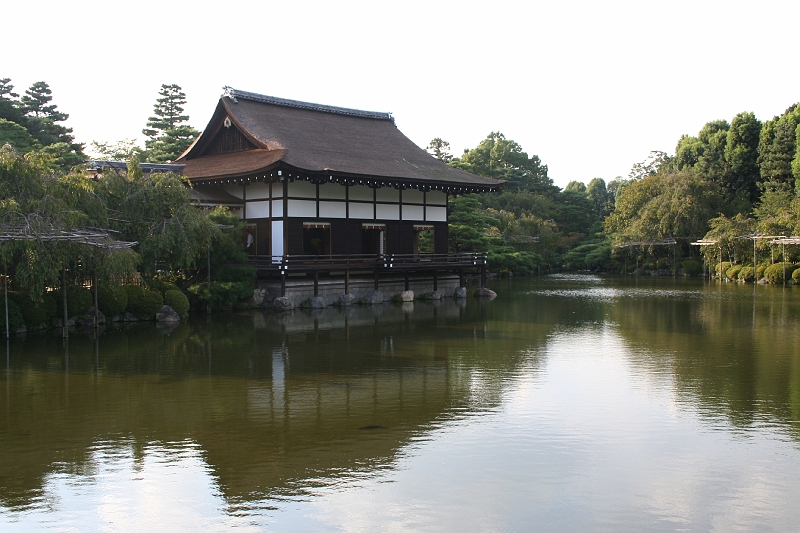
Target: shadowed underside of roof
[319, 140]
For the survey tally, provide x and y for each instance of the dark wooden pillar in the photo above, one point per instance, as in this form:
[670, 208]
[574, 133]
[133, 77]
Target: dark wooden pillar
[406, 280]
[283, 283]
[347, 281]
[460, 277]
[483, 276]
[316, 283]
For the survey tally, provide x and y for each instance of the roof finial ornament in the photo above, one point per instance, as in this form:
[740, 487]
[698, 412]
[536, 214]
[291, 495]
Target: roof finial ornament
[230, 92]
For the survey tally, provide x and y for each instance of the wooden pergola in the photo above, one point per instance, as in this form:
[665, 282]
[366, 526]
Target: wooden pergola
[87, 235]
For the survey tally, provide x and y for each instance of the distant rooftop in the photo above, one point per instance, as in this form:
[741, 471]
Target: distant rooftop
[235, 94]
[147, 168]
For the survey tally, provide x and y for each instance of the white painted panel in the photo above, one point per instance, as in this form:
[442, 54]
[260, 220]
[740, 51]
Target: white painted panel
[333, 191]
[437, 214]
[388, 194]
[277, 237]
[388, 212]
[412, 196]
[361, 192]
[436, 198]
[333, 210]
[302, 189]
[302, 208]
[277, 208]
[412, 212]
[257, 191]
[234, 190]
[277, 190]
[361, 211]
[258, 209]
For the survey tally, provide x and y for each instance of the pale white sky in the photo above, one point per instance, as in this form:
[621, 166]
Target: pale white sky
[590, 87]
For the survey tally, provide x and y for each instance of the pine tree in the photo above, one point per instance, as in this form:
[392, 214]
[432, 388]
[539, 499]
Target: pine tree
[167, 111]
[168, 136]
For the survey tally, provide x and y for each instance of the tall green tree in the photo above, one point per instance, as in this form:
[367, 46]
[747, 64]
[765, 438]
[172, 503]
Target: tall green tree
[776, 150]
[741, 154]
[501, 158]
[440, 149]
[168, 134]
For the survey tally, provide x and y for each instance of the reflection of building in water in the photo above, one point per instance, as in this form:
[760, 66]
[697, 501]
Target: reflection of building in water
[266, 406]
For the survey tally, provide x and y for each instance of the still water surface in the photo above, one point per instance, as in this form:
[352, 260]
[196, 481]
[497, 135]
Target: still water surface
[568, 403]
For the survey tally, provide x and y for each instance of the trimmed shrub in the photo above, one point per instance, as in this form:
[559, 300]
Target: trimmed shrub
[723, 267]
[774, 273]
[236, 273]
[733, 272]
[112, 300]
[760, 272]
[15, 320]
[145, 306]
[747, 274]
[79, 300]
[134, 292]
[222, 293]
[691, 268]
[796, 276]
[178, 301]
[162, 285]
[34, 313]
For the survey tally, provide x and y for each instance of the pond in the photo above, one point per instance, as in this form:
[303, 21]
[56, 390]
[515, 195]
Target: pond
[568, 403]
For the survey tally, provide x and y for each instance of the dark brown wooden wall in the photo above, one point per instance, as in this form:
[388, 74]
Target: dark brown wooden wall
[294, 234]
[440, 238]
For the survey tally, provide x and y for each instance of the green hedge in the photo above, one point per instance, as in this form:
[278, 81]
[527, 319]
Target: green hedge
[145, 304]
[760, 272]
[221, 294]
[747, 273]
[112, 300]
[691, 268]
[733, 272]
[774, 273]
[79, 300]
[35, 313]
[178, 301]
[162, 285]
[15, 320]
[723, 267]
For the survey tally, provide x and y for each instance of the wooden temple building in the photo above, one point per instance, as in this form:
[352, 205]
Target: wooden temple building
[327, 192]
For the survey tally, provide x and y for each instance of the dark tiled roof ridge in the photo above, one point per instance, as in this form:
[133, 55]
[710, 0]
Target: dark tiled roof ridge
[234, 94]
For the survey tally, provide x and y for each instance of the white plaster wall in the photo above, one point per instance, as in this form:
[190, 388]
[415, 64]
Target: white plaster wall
[361, 211]
[333, 210]
[277, 190]
[333, 191]
[413, 212]
[277, 208]
[387, 194]
[436, 214]
[436, 198]
[258, 209]
[413, 196]
[361, 192]
[277, 237]
[302, 208]
[256, 191]
[302, 189]
[388, 212]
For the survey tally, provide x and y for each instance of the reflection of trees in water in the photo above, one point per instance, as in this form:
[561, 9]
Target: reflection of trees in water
[734, 349]
[268, 398]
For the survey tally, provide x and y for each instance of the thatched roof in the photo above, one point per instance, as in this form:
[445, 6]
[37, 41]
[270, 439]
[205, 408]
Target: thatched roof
[254, 136]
